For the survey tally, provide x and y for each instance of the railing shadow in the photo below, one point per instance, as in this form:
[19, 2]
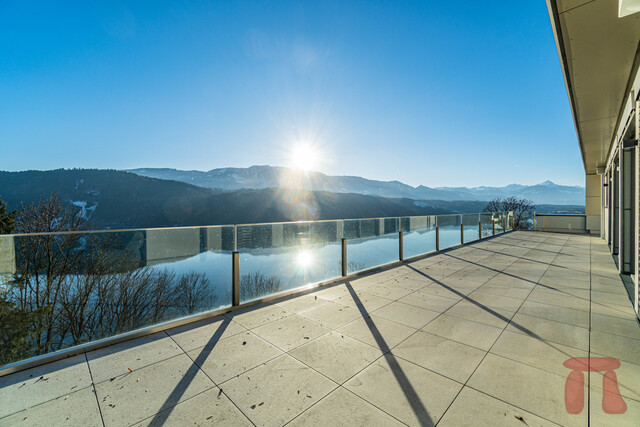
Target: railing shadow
[502, 242]
[511, 237]
[417, 406]
[504, 318]
[490, 311]
[170, 403]
[523, 257]
[507, 274]
[547, 287]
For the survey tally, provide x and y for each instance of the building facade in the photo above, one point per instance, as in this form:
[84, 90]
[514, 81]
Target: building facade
[598, 47]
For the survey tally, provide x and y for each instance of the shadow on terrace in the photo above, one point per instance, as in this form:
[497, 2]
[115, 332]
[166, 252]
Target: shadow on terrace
[474, 335]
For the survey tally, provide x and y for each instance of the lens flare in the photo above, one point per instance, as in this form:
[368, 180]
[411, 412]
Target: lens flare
[304, 259]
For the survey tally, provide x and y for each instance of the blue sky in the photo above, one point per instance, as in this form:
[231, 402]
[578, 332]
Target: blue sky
[429, 92]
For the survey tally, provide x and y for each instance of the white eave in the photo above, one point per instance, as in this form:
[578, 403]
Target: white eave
[599, 56]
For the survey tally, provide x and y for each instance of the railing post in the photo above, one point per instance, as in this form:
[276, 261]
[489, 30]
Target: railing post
[235, 238]
[344, 257]
[493, 226]
[235, 277]
[504, 224]
[400, 246]
[479, 229]
[461, 234]
[437, 239]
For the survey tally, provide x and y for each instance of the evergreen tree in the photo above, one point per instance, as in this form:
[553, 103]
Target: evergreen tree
[7, 219]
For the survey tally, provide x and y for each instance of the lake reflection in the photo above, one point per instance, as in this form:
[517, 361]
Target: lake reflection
[300, 265]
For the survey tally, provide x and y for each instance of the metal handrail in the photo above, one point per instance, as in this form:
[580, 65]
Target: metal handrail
[184, 227]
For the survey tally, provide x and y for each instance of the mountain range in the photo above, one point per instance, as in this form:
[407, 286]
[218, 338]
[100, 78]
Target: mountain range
[258, 177]
[117, 199]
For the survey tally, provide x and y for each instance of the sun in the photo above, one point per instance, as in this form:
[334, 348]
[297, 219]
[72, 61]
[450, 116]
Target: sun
[305, 259]
[304, 156]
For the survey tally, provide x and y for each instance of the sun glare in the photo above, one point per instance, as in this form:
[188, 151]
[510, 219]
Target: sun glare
[304, 259]
[304, 157]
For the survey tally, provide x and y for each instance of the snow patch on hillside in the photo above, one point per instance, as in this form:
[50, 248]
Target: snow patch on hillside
[84, 212]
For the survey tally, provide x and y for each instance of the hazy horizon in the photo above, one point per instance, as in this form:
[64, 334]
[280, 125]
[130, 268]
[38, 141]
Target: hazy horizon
[302, 171]
[317, 171]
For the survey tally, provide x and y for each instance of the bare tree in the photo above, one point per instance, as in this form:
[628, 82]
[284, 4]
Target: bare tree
[43, 263]
[353, 266]
[493, 206]
[521, 209]
[72, 287]
[164, 295]
[49, 215]
[256, 285]
[193, 293]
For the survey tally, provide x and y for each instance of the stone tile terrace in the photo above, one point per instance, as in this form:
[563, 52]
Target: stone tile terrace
[473, 336]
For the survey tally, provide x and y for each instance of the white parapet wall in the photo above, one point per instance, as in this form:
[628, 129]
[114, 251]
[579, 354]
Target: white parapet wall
[593, 202]
[7, 258]
[557, 223]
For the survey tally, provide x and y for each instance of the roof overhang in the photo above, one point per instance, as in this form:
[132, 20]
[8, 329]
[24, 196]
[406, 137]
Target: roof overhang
[599, 56]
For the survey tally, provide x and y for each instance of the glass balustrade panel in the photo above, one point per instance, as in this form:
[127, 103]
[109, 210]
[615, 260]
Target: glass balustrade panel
[449, 230]
[471, 223]
[419, 235]
[280, 257]
[371, 242]
[67, 289]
